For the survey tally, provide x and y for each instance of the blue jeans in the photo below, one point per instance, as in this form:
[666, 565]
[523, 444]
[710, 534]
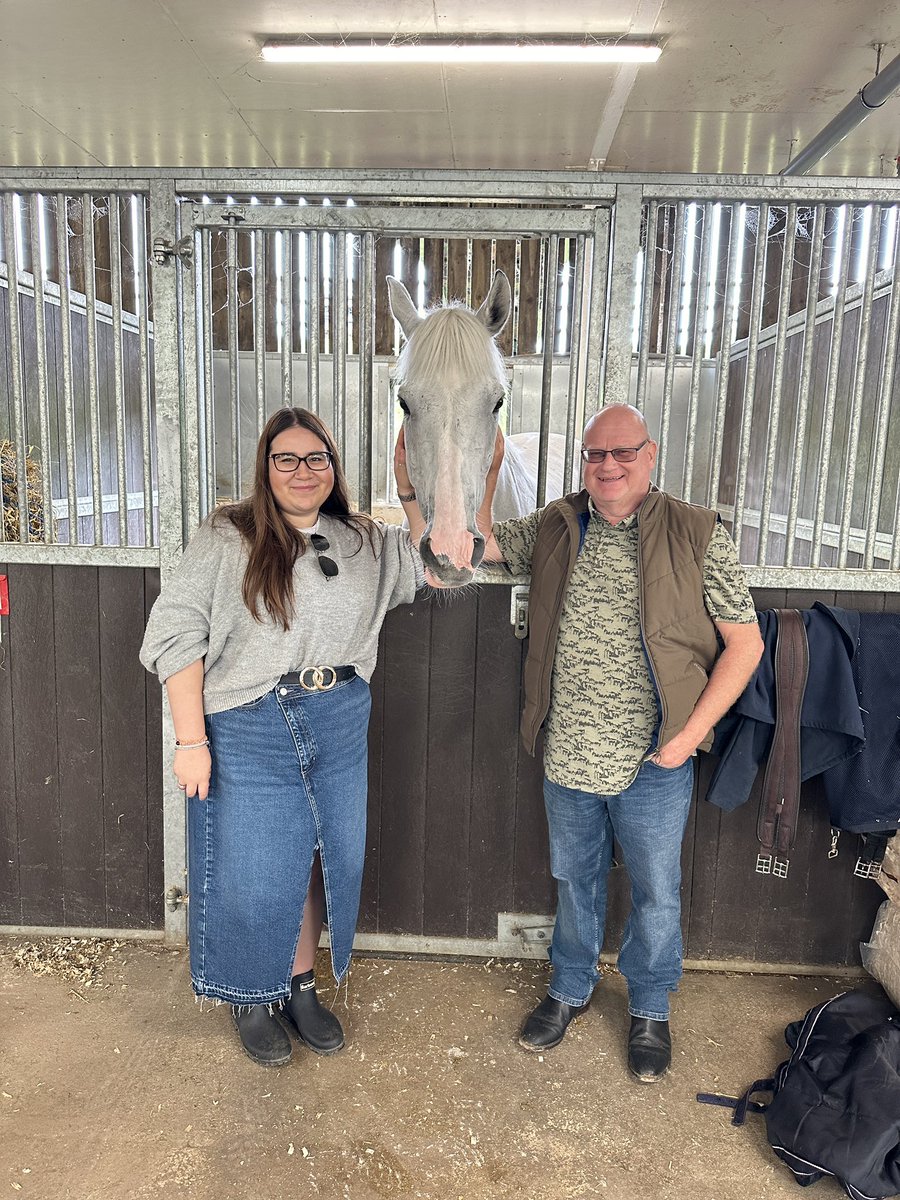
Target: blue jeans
[289, 778]
[648, 819]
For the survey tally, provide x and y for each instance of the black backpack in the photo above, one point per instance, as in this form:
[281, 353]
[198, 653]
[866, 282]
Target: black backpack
[835, 1107]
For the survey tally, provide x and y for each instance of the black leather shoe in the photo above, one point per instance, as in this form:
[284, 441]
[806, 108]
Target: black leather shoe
[316, 1026]
[546, 1026]
[262, 1035]
[649, 1049]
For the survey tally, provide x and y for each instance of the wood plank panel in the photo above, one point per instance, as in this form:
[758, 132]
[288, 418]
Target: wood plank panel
[154, 800]
[124, 716]
[10, 890]
[368, 905]
[407, 642]
[33, 662]
[449, 779]
[77, 636]
[492, 824]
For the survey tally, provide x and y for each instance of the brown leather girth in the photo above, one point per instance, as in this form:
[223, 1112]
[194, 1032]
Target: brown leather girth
[779, 804]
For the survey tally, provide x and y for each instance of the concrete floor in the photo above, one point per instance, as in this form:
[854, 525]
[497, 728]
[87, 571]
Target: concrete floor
[127, 1090]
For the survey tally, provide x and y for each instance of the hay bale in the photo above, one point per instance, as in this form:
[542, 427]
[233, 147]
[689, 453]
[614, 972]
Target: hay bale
[34, 494]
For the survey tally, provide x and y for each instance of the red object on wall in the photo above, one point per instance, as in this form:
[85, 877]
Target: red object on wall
[4, 596]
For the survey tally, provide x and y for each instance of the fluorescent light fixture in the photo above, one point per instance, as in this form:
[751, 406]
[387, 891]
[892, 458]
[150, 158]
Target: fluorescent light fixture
[594, 50]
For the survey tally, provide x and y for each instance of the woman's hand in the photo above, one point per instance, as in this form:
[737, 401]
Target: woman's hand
[192, 770]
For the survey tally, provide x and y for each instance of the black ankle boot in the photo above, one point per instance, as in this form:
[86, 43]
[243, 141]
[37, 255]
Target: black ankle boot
[316, 1026]
[546, 1026]
[262, 1035]
[649, 1049]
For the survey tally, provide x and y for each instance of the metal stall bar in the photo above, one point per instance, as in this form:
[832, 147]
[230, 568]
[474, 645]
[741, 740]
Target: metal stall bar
[809, 342]
[339, 341]
[837, 329]
[93, 373]
[859, 383]
[193, 398]
[286, 241]
[650, 236]
[366, 370]
[169, 432]
[548, 337]
[700, 308]
[18, 381]
[735, 257]
[206, 479]
[616, 367]
[772, 438]
[575, 359]
[671, 346]
[232, 301]
[599, 279]
[115, 259]
[40, 331]
[313, 266]
[885, 389]
[140, 299]
[756, 302]
[65, 322]
[259, 326]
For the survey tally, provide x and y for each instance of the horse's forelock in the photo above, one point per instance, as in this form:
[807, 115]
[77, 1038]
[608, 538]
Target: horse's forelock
[451, 343]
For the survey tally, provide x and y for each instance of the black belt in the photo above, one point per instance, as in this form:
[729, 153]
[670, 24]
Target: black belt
[779, 804]
[317, 679]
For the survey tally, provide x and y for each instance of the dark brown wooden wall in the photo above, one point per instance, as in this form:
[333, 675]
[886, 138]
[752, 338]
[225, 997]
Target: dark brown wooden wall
[456, 822]
[80, 759]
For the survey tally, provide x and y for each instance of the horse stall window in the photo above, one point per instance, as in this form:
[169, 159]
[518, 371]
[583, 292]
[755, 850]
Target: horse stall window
[766, 356]
[76, 424]
[300, 315]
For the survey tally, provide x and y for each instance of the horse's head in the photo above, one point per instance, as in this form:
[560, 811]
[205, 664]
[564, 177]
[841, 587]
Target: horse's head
[451, 384]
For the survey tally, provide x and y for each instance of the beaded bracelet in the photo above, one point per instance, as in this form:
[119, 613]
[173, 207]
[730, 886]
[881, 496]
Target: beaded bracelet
[191, 745]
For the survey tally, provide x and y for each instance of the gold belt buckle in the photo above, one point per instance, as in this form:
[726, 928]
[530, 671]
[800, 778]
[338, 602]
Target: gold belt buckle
[317, 675]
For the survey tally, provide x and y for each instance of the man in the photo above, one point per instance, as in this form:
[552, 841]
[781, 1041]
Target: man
[625, 672]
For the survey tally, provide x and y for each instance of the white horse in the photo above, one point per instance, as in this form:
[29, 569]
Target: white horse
[451, 384]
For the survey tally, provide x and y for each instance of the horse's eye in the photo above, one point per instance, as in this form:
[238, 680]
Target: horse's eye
[498, 405]
[403, 405]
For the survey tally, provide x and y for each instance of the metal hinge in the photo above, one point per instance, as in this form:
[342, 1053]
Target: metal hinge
[163, 250]
[518, 610]
[175, 897]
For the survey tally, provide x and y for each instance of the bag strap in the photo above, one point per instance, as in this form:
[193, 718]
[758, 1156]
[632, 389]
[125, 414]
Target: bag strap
[741, 1104]
[779, 803]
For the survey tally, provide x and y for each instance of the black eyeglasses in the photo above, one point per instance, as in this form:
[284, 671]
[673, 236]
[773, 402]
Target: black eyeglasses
[328, 565]
[319, 460]
[620, 454]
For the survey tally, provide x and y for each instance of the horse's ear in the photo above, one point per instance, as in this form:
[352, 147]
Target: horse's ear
[494, 313]
[402, 307]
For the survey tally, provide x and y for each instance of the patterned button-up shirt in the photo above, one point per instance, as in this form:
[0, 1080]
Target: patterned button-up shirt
[603, 706]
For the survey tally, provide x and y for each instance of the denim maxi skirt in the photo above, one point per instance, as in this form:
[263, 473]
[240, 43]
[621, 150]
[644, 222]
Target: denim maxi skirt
[289, 777]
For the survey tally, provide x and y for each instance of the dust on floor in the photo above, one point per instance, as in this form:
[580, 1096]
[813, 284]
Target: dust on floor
[125, 1089]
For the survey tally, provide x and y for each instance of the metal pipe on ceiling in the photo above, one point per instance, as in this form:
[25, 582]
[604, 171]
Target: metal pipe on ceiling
[876, 92]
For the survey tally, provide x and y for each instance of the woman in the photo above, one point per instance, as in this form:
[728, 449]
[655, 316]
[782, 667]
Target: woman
[266, 638]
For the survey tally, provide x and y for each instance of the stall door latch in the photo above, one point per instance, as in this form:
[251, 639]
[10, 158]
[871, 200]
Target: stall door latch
[518, 610]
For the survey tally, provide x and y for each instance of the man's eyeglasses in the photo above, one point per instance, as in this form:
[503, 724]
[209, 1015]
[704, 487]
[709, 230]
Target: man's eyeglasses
[319, 460]
[620, 454]
[328, 565]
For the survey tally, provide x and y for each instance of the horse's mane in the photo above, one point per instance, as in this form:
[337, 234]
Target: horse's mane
[451, 343]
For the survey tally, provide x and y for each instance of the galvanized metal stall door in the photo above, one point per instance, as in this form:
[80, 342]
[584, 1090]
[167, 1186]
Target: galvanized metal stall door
[285, 297]
[80, 821]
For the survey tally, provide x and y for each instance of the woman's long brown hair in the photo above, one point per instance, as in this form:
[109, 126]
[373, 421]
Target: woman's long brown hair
[273, 544]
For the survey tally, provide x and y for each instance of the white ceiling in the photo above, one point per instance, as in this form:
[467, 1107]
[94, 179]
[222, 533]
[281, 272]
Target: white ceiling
[180, 83]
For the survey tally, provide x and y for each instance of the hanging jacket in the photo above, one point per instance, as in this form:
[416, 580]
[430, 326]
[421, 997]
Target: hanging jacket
[831, 725]
[863, 792]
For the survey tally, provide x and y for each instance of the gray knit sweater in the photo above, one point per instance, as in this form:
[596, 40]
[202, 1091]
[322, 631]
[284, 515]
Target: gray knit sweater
[201, 614]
